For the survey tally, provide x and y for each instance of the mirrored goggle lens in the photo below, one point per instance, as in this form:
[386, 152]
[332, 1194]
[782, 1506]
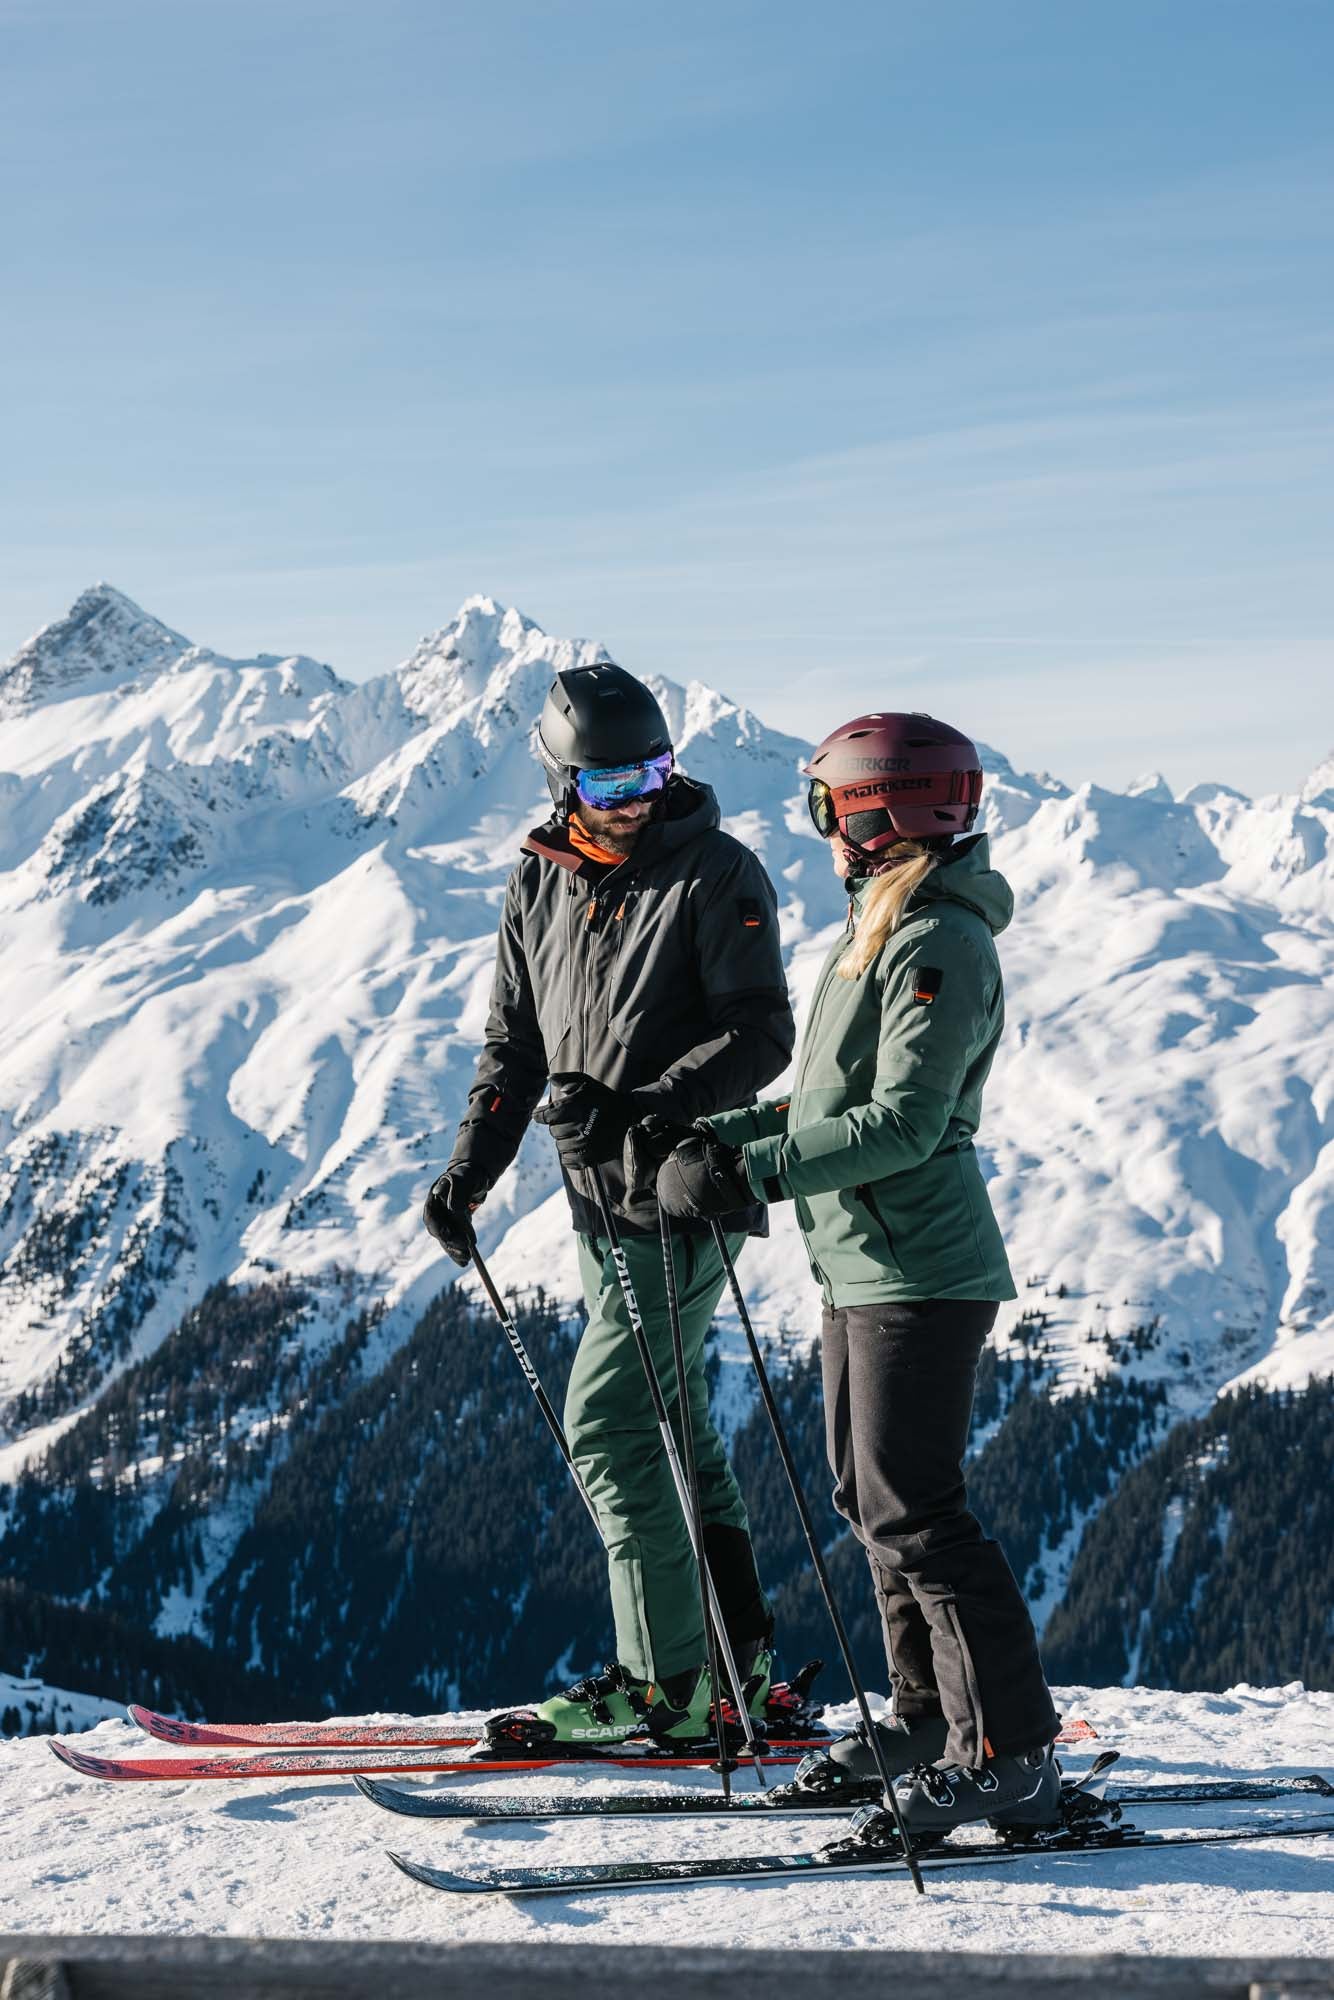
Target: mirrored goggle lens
[820, 803]
[622, 783]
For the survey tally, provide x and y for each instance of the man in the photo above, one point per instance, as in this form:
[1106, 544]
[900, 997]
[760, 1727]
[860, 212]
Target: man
[638, 965]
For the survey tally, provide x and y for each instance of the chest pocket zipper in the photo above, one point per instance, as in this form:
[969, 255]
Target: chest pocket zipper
[621, 905]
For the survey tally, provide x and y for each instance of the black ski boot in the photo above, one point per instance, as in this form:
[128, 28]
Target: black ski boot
[847, 1770]
[1017, 1794]
[1020, 1796]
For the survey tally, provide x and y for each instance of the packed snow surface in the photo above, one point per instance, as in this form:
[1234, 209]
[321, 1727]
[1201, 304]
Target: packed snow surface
[303, 1858]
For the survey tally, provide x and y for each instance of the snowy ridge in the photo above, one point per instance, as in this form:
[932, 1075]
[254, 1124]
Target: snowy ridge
[248, 913]
[40, 1709]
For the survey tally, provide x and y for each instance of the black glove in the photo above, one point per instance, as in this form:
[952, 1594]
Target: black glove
[646, 1147]
[703, 1178]
[587, 1119]
[448, 1208]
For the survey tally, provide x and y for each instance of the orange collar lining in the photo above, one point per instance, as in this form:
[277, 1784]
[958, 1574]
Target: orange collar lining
[583, 842]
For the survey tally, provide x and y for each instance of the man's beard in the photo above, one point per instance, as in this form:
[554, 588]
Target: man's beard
[621, 840]
[618, 839]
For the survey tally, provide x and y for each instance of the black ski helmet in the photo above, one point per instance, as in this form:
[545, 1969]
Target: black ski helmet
[593, 719]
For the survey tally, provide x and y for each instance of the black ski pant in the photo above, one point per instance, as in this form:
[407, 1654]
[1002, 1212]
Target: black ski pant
[898, 1387]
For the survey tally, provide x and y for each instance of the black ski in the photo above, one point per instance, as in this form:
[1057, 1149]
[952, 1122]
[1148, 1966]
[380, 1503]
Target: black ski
[844, 1858]
[783, 1802]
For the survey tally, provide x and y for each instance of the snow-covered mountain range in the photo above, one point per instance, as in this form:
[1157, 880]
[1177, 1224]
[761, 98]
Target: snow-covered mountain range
[247, 913]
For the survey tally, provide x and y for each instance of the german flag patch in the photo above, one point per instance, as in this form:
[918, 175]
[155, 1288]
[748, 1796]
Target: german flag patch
[927, 981]
[751, 913]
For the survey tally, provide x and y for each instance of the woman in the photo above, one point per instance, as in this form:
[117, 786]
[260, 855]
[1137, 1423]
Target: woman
[875, 1146]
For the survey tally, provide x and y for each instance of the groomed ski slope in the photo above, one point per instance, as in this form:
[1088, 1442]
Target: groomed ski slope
[301, 1859]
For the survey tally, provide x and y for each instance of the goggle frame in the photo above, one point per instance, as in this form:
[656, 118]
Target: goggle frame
[623, 784]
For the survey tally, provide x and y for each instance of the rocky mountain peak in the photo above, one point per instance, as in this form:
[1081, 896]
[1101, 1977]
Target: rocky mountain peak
[480, 656]
[104, 638]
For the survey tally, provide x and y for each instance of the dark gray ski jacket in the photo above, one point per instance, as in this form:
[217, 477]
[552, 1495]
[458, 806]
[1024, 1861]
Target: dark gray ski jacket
[661, 975]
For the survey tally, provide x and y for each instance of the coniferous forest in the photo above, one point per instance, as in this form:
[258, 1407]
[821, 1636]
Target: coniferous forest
[410, 1539]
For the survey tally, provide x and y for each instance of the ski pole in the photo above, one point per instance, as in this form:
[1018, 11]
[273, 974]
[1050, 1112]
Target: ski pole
[618, 1258]
[877, 1748]
[692, 1476]
[533, 1380]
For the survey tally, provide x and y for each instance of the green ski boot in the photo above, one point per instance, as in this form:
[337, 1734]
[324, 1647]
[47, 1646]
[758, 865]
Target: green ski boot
[607, 1708]
[682, 1708]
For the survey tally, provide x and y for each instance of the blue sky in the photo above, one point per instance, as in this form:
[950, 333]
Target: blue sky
[974, 357]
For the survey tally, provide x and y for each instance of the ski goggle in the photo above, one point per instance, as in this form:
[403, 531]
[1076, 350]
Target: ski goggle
[820, 805]
[857, 827]
[621, 784]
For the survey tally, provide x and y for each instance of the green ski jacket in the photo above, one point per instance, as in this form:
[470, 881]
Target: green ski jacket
[875, 1145]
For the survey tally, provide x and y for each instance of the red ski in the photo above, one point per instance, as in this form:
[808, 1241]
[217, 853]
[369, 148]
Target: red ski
[308, 1764]
[298, 1735]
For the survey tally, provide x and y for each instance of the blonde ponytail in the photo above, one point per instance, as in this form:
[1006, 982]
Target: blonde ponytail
[886, 900]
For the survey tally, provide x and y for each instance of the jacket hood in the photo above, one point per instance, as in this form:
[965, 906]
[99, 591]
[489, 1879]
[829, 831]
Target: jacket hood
[689, 809]
[966, 876]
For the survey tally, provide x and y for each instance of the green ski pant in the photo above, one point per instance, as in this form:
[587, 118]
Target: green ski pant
[618, 1448]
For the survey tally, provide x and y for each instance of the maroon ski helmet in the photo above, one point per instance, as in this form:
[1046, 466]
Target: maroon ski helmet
[882, 778]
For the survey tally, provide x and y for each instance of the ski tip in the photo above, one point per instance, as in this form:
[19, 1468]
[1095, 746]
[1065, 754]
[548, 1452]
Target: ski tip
[373, 1789]
[165, 1728]
[431, 1878]
[411, 1804]
[80, 1761]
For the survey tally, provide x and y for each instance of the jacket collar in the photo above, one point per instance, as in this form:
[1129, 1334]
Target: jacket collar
[965, 875]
